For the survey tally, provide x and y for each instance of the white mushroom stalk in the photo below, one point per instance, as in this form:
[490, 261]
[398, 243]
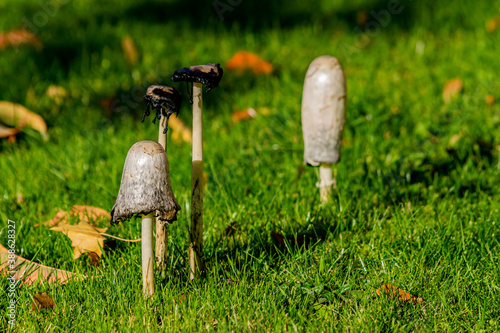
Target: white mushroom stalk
[209, 75]
[323, 119]
[145, 189]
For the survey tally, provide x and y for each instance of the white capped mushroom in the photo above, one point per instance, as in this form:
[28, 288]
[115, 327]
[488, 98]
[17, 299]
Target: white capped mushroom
[145, 188]
[323, 118]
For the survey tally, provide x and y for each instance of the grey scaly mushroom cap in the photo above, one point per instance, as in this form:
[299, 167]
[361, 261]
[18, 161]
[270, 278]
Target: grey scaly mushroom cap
[323, 111]
[145, 185]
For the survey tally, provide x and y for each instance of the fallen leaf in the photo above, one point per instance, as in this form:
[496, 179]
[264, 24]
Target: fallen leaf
[490, 99]
[249, 113]
[84, 237]
[393, 291]
[493, 23]
[56, 93]
[361, 17]
[244, 61]
[231, 229]
[82, 213]
[94, 259]
[29, 272]
[455, 138]
[16, 115]
[282, 240]
[7, 132]
[180, 132]
[451, 89]
[19, 37]
[129, 50]
[42, 301]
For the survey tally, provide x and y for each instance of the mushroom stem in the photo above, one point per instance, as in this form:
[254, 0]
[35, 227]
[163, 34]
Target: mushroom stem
[162, 138]
[326, 181]
[148, 286]
[161, 227]
[196, 231]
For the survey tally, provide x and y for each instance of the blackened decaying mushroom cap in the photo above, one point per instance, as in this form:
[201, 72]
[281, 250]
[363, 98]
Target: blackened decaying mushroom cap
[323, 111]
[209, 75]
[161, 98]
[145, 185]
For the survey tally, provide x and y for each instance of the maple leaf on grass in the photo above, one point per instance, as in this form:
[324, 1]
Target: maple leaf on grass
[29, 272]
[87, 238]
[80, 212]
[84, 237]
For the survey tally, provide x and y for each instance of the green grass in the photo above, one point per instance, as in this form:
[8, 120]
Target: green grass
[413, 208]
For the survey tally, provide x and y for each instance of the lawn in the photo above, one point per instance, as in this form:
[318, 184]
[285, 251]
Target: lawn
[417, 203]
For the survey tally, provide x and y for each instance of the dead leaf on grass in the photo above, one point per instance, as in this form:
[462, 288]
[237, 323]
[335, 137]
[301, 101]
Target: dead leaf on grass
[282, 240]
[79, 212]
[244, 61]
[493, 24]
[489, 99]
[180, 132]
[42, 301]
[16, 115]
[393, 291]
[19, 37]
[249, 113]
[84, 237]
[129, 50]
[29, 272]
[452, 89]
[231, 229]
[7, 132]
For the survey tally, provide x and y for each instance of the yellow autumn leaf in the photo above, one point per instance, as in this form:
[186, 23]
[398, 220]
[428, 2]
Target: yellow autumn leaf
[16, 115]
[452, 89]
[180, 131]
[84, 237]
[80, 212]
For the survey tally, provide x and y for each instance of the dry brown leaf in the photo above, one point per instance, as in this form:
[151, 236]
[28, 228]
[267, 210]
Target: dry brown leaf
[489, 99]
[16, 115]
[56, 93]
[42, 301]
[29, 272]
[282, 240]
[94, 259]
[7, 132]
[84, 237]
[180, 132]
[82, 213]
[451, 89]
[393, 291]
[19, 37]
[244, 61]
[129, 50]
[493, 24]
[249, 113]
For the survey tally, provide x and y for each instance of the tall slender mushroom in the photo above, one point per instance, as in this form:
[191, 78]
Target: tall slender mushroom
[209, 75]
[323, 118]
[145, 188]
[165, 101]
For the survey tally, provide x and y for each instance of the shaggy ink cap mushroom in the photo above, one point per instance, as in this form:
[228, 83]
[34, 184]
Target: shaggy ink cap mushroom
[164, 100]
[323, 111]
[145, 185]
[209, 75]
